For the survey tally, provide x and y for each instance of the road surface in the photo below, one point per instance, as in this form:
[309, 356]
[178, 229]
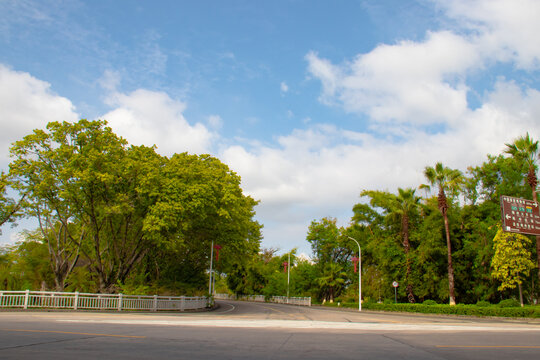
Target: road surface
[242, 330]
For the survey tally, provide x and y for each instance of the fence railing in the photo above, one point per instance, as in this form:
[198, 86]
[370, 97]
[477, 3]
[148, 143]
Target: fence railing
[302, 301]
[83, 301]
[255, 298]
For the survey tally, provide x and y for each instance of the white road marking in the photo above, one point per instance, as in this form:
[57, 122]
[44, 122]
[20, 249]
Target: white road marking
[223, 312]
[303, 324]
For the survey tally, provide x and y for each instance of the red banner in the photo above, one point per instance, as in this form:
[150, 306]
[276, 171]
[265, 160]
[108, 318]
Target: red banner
[355, 262]
[217, 247]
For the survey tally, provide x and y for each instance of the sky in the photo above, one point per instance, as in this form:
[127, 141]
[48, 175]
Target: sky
[309, 101]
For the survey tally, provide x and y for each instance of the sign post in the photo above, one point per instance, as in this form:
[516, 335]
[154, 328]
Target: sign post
[395, 285]
[520, 215]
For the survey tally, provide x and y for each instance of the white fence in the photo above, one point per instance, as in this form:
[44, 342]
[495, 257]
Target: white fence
[302, 301]
[82, 301]
[255, 298]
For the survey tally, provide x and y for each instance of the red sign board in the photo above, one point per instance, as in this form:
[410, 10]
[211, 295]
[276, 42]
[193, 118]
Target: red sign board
[520, 215]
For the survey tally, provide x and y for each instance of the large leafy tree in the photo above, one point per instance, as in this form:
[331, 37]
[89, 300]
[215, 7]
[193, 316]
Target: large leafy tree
[525, 149]
[90, 194]
[446, 180]
[326, 241]
[200, 200]
[116, 205]
[43, 168]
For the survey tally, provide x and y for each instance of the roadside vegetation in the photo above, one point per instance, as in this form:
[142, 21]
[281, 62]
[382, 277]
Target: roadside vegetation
[113, 217]
[506, 308]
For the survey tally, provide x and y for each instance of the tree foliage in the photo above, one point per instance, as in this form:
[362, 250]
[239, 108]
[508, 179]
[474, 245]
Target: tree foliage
[126, 213]
[511, 261]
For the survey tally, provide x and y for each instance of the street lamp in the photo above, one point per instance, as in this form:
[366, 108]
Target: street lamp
[287, 267]
[212, 280]
[359, 273]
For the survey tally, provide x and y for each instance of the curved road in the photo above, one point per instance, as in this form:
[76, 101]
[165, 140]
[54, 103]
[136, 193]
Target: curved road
[242, 330]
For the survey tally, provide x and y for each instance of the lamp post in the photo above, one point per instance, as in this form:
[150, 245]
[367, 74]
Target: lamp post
[359, 273]
[288, 277]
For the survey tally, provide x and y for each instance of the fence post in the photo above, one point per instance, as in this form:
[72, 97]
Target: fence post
[27, 294]
[155, 303]
[120, 302]
[76, 301]
[182, 303]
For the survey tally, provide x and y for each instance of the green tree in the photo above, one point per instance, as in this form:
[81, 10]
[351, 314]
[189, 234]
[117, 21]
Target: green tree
[89, 191]
[25, 265]
[200, 200]
[43, 167]
[512, 260]
[447, 180]
[332, 280]
[399, 209]
[326, 241]
[525, 149]
[333, 253]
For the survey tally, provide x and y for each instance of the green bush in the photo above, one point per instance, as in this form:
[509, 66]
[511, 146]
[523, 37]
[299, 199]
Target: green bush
[483, 303]
[509, 303]
[429, 302]
[471, 310]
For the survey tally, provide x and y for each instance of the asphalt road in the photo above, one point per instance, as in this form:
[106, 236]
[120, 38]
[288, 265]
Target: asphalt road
[240, 330]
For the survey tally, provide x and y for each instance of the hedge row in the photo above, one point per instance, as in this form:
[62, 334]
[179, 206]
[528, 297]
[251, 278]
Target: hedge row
[472, 310]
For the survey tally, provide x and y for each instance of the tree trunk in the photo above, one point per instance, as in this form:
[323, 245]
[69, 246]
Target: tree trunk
[406, 248]
[535, 199]
[450, 266]
[59, 282]
[520, 294]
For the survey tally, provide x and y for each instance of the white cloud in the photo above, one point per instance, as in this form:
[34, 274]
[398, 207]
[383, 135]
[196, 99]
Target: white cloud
[149, 118]
[284, 87]
[409, 82]
[321, 171]
[506, 29]
[27, 103]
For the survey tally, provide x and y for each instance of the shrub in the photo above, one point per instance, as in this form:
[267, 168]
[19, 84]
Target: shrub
[471, 310]
[429, 302]
[508, 303]
[483, 303]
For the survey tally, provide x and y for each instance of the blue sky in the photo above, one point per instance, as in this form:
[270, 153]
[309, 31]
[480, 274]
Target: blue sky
[310, 102]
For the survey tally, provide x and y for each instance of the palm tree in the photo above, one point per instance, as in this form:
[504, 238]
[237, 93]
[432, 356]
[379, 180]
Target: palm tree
[406, 206]
[331, 280]
[445, 179]
[525, 149]
[401, 208]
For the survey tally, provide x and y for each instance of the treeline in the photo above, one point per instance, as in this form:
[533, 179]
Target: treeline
[117, 217]
[441, 241]
[114, 217]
